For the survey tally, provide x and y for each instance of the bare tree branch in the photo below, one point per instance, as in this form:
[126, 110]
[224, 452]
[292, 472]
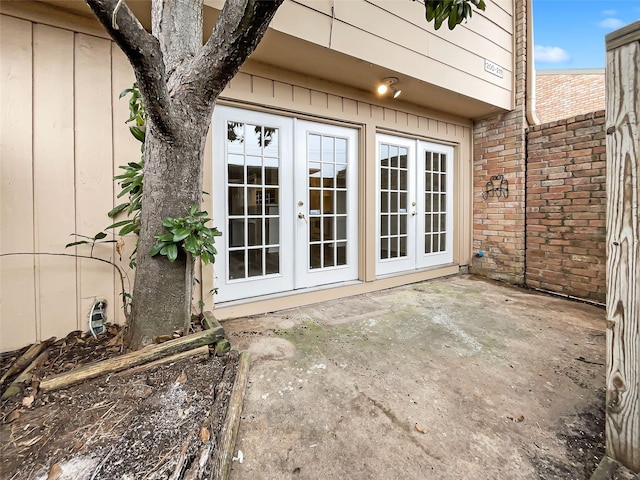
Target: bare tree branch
[236, 34]
[143, 51]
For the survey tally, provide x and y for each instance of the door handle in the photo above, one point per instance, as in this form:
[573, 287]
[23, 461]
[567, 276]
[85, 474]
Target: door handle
[302, 217]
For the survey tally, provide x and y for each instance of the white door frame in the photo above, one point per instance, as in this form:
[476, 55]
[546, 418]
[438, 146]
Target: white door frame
[407, 262]
[263, 285]
[294, 212]
[416, 257]
[424, 260]
[305, 276]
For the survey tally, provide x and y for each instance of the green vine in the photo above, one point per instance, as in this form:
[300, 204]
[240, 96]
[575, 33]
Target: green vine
[189, 232]
[131, 179]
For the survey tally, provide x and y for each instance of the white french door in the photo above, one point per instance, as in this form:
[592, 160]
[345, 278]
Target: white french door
[285, 200]
[326, 204]
[414, 204]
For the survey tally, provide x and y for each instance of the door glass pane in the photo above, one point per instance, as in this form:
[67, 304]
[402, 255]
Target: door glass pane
[341, 202]
[236, 232]
[254, 211]
[384, 248]
[271, 175]
[254, 229]
[314, 229]
[327, 202]
[254, 201]
[313, 148]
[314, 202]
[271, 145]
[384, 178]
[271, 201]
[341, 176]
[435, 225]
[272, 231]
[384, 202]
[236, 264]
[272, 260]
[314, 174]
[329, 255]
[327, 160]
[314, 256]
[403, 157]
[327, 149]
[328, 175]
[341, 150]
[253, 139]
[255, 262]
[254, 175]
[236, 174]
[341, 253]
[235, 137]
[327, 233]
[394, 199]
[341, 228]
[236, 201]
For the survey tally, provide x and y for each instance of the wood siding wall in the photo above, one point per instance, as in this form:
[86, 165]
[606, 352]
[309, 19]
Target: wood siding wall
[448, 59]
[62, 133]
[63, 136]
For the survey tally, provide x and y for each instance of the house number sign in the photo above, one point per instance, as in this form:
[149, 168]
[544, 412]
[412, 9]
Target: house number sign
[493, 68]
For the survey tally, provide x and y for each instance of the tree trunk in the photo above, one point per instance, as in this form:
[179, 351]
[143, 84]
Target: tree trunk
[179, 79]
[160, 289]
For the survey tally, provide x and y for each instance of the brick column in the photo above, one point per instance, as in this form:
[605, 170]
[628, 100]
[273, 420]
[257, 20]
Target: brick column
[500, 149]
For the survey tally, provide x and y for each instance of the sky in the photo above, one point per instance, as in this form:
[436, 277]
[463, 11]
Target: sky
[570, 34]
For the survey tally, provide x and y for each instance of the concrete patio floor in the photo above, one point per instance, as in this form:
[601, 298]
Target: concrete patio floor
[457, 378]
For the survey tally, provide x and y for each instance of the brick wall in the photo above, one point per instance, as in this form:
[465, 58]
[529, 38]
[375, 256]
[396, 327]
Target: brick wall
[566, 205]
[499, 149]
[562, 95]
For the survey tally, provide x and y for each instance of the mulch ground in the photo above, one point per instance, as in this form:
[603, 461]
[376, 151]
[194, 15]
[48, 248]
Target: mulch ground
[157, 424]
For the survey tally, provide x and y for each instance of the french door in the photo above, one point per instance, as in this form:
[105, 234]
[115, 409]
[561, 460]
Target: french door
[285, 199]
[414, 204]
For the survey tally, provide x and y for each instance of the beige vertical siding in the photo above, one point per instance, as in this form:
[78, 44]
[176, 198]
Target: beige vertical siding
[58, 158]
[16, 203]
[63, 137]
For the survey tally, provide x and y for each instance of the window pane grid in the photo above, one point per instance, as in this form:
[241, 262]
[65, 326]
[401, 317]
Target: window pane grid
[435, 217]
[393, 201]
[327, 177]
[253, 194]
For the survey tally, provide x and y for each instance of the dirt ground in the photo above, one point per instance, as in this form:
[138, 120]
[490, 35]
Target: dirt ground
[146, 425]
[457, 378]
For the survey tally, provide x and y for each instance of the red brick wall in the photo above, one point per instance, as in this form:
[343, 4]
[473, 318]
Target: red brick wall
[566, 205]
[499, 149]
[563, 95]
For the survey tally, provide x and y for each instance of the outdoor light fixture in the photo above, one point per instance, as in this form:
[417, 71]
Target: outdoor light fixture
[387, 85]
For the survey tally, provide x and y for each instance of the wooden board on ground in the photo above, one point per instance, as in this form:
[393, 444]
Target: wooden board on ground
[139, 357]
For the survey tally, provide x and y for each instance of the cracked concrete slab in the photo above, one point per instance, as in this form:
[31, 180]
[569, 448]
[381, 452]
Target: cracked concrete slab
[457, 378]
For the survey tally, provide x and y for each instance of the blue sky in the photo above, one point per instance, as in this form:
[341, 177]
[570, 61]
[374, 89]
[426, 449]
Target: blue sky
[570, 33]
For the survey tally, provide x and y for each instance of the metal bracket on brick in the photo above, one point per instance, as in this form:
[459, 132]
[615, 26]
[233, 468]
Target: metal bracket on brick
[497, 186]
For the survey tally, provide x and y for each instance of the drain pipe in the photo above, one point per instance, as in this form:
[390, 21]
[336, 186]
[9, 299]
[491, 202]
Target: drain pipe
[530, 112]
[530, 97]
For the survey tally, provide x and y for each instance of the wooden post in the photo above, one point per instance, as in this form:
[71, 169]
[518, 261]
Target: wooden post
[623, 246]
